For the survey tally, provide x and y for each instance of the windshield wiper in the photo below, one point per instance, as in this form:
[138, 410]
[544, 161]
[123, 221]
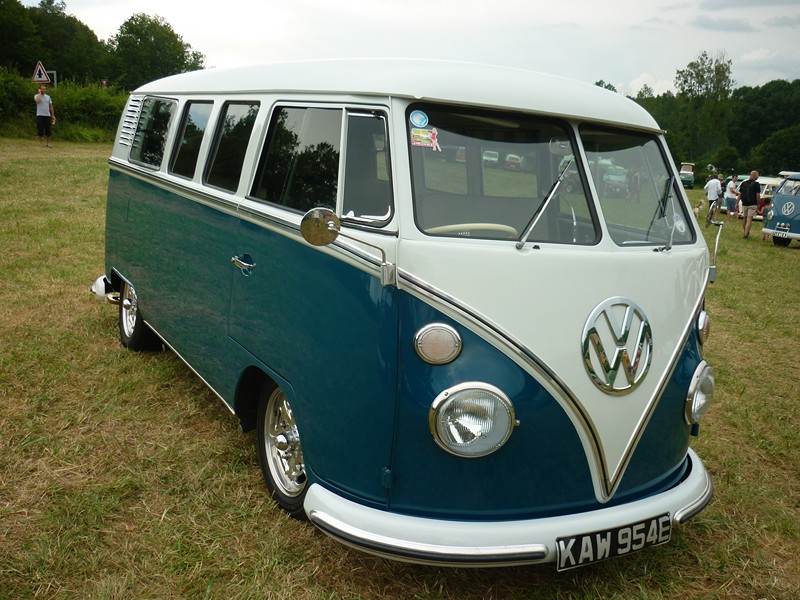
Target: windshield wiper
[540, 211]
[669, 194]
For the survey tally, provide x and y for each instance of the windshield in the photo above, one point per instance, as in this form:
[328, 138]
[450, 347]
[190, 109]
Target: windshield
[639, 198]
[485, 174]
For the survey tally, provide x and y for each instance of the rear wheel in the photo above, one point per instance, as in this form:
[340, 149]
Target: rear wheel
[280, 451]
[133, 331]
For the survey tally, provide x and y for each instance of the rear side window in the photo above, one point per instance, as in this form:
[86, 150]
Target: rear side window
[230, 144]
[195, 121]
[151, 131]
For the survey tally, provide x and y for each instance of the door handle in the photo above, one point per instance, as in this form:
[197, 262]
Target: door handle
[244, 263]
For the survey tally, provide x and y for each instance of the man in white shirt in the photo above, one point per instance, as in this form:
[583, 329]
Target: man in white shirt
[713, 192]
[45, 115]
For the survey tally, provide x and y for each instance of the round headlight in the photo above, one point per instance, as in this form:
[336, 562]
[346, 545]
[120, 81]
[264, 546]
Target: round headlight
[701, 391]
[471, 419]
[437, 344]
[703, 326]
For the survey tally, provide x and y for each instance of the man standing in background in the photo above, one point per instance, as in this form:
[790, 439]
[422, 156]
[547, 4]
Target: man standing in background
[750, 194]
[45, 115]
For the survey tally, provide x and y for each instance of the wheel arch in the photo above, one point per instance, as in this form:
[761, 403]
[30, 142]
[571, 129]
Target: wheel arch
[251, 382]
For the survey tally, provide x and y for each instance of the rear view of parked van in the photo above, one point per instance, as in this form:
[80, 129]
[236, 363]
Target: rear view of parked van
[449, 356]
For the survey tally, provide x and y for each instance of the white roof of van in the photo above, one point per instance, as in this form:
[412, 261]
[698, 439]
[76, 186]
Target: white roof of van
[445, 81]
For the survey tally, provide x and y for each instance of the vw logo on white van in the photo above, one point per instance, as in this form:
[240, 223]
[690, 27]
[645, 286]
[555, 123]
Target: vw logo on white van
[787, 209]
[617, 339]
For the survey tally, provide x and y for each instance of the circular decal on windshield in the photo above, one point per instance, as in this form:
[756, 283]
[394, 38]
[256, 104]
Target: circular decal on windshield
[418, 119]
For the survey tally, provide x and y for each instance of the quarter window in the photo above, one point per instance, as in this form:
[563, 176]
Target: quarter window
[151, 131]
[193, 128]
[230, 145]
[638, 193]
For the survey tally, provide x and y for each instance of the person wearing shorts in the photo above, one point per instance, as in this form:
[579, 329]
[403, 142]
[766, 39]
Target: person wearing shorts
[731, 198]
[750, 193]
[45, 116]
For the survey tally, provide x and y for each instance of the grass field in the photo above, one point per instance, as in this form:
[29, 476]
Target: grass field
[122, 476]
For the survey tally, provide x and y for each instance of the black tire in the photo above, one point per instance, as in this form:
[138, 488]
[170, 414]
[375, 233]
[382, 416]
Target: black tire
[280, 452]
[780, 241]
[133, 331]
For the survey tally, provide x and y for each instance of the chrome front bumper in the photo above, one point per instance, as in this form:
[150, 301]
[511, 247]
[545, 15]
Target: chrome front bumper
[497, 543]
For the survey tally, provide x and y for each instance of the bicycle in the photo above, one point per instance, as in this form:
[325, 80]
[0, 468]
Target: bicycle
[713, 208]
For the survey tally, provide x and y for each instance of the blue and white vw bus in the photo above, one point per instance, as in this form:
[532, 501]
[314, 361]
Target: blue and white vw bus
[445, 361]
[782, 221]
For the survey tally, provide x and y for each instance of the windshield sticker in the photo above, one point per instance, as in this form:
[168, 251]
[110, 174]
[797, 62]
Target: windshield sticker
[426, 138]
[680, 224]
[419, 119]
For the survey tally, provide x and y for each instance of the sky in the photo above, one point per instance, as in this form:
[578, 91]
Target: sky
[627, 43]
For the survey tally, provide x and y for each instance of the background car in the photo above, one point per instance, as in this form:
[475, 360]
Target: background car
[513, 162]
[768, 187]
[491, 158]
[687, 175]
[782, 220]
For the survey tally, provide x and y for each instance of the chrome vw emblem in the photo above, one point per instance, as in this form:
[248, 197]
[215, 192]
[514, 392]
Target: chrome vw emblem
[617, 340]
[787, 209]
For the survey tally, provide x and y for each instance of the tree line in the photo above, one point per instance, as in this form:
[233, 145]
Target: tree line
[144, 48]
[708, 121]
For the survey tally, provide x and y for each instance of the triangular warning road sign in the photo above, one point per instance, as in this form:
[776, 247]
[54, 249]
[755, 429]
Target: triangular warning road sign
[40, 74]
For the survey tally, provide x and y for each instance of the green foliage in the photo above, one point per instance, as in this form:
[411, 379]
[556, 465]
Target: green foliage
[21, 44]
[779, 152]
[147, 48]
[704, 88]
[68, 46]
[88, 113]
[758, 112]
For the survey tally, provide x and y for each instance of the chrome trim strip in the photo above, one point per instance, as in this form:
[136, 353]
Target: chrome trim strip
[691, 510]
[228, 206]
[232, 207]
[422, 552]
[517, 351]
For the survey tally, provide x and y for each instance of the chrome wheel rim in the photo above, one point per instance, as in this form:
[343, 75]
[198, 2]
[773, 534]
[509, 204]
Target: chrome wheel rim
[130, 310]
[282, 444]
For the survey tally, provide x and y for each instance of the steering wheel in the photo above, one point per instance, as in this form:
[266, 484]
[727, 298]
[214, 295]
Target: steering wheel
[506, 231]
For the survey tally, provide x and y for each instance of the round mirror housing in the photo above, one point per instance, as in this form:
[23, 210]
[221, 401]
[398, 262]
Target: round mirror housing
[320, 226]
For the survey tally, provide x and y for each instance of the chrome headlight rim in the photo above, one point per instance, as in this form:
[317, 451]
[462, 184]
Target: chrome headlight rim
[441, 328]
[701, 392]
[448, 397]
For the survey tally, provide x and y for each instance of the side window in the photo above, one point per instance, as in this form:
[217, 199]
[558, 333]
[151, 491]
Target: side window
[367, 187]
[230, 144]
[151, 131]
[299, 168]
[187, 148]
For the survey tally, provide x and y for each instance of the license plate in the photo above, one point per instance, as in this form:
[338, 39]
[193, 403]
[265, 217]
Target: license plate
[782, 234]
[587, 548]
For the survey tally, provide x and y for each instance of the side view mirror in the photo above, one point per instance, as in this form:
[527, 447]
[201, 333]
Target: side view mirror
[320, 226]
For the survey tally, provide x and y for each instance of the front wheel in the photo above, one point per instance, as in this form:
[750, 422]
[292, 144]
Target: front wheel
[280, 451]
[133, 331]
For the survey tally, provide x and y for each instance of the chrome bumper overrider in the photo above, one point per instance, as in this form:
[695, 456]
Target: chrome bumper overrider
[497, 543]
